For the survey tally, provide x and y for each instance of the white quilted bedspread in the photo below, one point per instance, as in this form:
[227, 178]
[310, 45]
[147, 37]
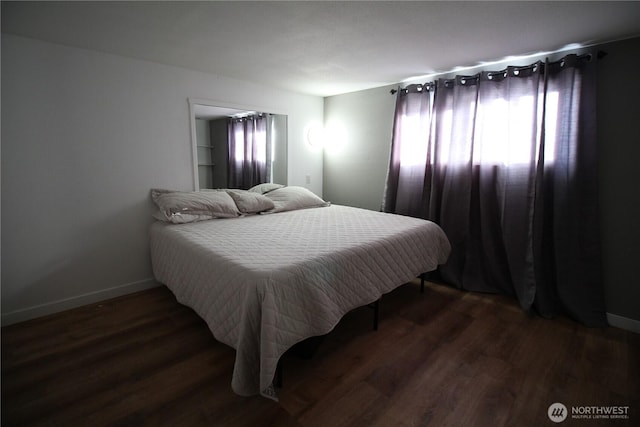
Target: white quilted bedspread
[265, 282]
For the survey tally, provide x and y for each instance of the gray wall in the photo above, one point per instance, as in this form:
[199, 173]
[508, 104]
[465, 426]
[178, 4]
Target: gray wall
[85, 136]
[355, 171]
[619, 145]
[356, 175]
[280, 150]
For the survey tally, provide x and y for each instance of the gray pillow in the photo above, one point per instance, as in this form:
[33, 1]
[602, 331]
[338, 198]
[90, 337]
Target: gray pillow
[249, 202]
[265, 188]
[292, 198]
[180, 207]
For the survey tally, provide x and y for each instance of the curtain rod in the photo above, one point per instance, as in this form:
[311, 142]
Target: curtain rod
[600, 54]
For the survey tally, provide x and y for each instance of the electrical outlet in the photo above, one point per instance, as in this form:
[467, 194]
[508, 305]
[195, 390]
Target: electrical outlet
[308, 179]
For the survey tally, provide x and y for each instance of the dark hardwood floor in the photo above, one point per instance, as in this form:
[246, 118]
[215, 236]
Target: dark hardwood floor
[442, 358]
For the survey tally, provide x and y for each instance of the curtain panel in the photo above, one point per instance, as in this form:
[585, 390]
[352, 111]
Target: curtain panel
[249, 151]
[505, 162]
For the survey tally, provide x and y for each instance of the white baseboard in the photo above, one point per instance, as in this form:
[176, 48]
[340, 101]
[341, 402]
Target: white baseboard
[74, 302]
[625, 323]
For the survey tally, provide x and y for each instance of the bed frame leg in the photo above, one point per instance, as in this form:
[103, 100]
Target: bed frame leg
[278, 376]
[376, 314]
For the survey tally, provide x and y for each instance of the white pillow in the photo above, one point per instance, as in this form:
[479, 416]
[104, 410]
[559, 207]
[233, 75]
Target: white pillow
[249, 202]
[292, 198]
[180, 207]
[265, 188]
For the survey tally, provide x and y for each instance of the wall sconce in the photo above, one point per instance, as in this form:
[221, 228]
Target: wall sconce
[315, 136]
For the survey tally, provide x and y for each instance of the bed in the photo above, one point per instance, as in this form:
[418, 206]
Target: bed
[267, 277]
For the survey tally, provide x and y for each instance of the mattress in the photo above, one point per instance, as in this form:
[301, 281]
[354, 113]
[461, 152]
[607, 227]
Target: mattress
[263, 283]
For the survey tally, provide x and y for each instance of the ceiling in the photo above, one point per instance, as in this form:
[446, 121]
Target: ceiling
[322, 48]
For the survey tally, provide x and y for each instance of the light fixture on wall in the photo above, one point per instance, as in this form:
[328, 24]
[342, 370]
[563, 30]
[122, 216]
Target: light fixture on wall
[315, 136]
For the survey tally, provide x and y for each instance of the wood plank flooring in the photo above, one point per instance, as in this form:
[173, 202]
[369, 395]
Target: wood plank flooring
[442, 358]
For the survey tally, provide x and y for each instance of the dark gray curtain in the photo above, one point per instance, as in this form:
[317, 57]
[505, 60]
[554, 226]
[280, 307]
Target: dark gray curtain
[249, 150]
[505, 162]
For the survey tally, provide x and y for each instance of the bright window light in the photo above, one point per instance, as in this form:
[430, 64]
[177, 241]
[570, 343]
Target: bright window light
[506, 134]
[239, 154]
[261, 147]
[413, 150]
